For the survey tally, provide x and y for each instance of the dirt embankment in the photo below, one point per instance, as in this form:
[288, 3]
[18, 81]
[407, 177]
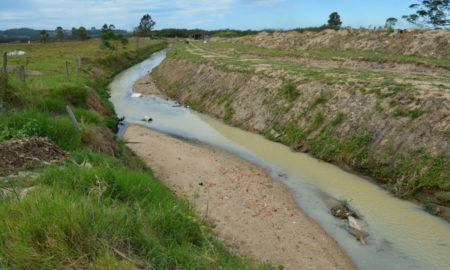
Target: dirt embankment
[254, 214]
[395, 130]
[429, 43]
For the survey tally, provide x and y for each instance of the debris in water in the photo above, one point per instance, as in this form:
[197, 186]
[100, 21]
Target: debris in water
[147, 119]
[342, 211]
[136, 95]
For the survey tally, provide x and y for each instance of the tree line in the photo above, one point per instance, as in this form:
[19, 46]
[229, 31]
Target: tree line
[426, 13]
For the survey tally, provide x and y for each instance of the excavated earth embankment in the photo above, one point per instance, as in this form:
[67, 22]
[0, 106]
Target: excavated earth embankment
[392, 125]
[428, 43]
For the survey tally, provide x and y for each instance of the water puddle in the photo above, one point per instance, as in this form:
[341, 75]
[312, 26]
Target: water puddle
[402, 235]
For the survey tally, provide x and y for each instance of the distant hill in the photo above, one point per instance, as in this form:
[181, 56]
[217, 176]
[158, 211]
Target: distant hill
[24, 34]
[19, 32]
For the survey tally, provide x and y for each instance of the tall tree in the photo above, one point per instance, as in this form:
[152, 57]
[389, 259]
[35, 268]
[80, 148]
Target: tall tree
[43, 36]
[434, 13]
[82, 33]
[334, 20]
[145, 26]
[59, 33]
[110, 39]
[74, 33]
[390, 22]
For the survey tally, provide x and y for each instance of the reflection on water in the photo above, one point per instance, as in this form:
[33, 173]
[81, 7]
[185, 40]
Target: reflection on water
[402, 236]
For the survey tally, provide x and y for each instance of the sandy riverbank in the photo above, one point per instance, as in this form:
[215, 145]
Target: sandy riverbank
[254, 214]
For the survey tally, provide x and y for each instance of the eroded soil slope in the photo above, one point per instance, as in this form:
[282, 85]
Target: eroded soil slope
[387, 118]
[427, 43]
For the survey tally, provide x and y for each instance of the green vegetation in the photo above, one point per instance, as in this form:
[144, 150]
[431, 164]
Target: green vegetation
[435, 13]
[93, 211]
[80, 217]
[319, 100]
[334, 20]
[338, 119]
[316, 121]
[290, 92]
[228, 112]
[292, 134]
[413, 114]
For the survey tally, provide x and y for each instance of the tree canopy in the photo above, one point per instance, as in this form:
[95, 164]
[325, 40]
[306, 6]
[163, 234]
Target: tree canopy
[390, 22]
[334, 20]
[434, 13]
[43, 36]
[110, 40]
[145, 26]
[59, 33]
[80, 33]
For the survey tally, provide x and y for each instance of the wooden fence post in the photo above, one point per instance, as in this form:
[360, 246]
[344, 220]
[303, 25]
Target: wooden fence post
[76, 65]
[5, 62]
[5, 75]
[79, 61]
[67, 71]
[72, 117]
[22, 74]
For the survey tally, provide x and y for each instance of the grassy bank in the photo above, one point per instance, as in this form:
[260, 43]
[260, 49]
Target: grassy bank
[381, 123]
[101, 209]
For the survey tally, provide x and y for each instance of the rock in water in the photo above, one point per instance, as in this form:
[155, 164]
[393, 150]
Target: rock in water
[356, 224]
[147, 119]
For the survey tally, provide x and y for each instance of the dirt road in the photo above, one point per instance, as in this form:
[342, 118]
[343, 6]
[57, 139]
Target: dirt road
[255, 215]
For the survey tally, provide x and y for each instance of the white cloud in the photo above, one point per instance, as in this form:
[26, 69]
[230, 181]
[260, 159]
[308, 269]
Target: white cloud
[122, 13]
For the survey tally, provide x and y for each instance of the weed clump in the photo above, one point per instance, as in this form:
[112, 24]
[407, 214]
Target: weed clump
[290, 92]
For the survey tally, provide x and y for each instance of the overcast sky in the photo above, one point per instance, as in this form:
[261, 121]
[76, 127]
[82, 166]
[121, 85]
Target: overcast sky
[206, 14]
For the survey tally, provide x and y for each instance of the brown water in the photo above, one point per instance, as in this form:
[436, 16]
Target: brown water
[402, 236]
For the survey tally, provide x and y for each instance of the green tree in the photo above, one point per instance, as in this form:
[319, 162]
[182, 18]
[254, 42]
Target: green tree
[145, 26]
[43, 36]
[74, 33]
[59, 33]
[390, 22]
[111, 40]
[334, 20]
[434, 13]
[82, 33]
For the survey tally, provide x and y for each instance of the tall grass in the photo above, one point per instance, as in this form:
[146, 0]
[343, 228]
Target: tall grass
[31, 122]
[82, 217]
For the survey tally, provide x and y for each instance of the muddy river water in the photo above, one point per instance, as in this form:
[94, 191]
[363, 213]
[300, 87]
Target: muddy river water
[402, 235]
